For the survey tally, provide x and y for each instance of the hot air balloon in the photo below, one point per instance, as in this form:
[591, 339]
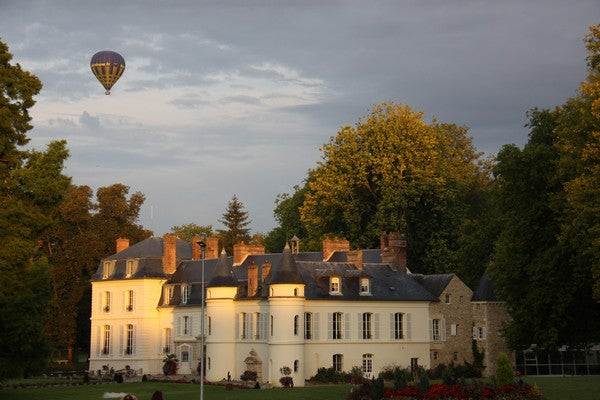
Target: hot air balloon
[107, 66]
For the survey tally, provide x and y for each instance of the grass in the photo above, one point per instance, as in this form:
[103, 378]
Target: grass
[554, 388]
[568, 387]
[176, 391]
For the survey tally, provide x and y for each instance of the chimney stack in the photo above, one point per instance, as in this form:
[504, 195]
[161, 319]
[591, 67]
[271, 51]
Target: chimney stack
[355, 257]
[122, 244]
[252, 279]
[332, 245]
[169, 259]
[394, 253]
[196, 249]
[242, 250]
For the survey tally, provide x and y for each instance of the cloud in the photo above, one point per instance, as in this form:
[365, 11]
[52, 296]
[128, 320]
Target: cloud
[89, 121]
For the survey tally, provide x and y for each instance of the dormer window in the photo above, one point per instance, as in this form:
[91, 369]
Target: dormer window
[129, 268]
[168, 294]
[107, 269]
[365, 286]
[448, 298]
[185, 294]
[334, 285]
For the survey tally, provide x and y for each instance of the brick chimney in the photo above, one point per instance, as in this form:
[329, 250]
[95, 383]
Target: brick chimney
[122, 244]
[196, 249]
[169, 259]
[266, 268]
[212, 247]
[356, 257]
[252, 279]
[332, 245]
[395, 252]
[242, 250]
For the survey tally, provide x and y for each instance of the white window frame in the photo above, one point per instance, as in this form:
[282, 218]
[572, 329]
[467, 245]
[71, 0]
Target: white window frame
[367, 326]
[130, 298]
[435, 330]
[367, 364]
[399, 326]
[129, 268]
[365, 286]
[338, 362]
[107, 269]
[185, 294]
[130, 340]
[335, 285]
[106, 340]
[106, 301]
[337, 326]
[167, 348]
[243, 326]
[308, 325]
[187, 328]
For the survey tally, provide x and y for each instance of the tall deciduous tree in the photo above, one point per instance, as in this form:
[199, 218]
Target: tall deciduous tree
[188, 231]
[85, 231]
[394, 171]
[235, 220]
[31, 187]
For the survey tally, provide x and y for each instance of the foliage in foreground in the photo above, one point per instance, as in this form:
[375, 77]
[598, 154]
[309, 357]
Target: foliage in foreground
[521, 391]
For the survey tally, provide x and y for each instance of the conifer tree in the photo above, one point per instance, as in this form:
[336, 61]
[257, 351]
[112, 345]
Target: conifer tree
[235, 220]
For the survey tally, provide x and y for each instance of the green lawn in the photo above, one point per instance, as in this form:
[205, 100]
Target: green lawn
[176, 391]
[568, 388]
[555, 388]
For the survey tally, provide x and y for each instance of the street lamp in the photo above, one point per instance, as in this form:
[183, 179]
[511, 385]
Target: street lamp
[202, 245]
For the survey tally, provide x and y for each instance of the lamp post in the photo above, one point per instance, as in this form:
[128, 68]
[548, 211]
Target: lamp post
[202, 245]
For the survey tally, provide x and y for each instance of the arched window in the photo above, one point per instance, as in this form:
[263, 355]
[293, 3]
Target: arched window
[271, 327]
[296, 363]
[296, 324]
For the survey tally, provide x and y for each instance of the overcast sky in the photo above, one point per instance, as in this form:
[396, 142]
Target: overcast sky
[236, 97]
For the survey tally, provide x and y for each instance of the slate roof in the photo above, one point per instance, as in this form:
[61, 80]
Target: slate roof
[369, 256]
[286, 270]
[435, 283]
[486, 289]
[148, 254]
[223, 274]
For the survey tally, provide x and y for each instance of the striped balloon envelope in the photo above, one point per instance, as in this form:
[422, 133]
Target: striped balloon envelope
[107, 66]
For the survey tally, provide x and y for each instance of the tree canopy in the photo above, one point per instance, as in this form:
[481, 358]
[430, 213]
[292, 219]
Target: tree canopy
[32, 188]
[188, 231]
[394, 171]
[235, 220]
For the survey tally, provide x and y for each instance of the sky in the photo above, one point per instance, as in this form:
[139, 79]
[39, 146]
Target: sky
[223, 98]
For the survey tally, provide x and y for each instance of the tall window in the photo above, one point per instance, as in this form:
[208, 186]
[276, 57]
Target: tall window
[367, 322]
[106, 339]
[308, 321]
[435, 329]
[106, 301]
[209, 326]
[398, 328]
[185, 292]
[186, 326]
[167, 344]
[271, 327]
[129, 300]
[296, 363]
[365, 287]
[367, 363]
[334, 285]
[243, 326]
[185, 356]
[296, 324]
[129, 345]
[338, 361]
[448, 298]
[336, 326]
[107, 270]
[168, 294]
[257, 326]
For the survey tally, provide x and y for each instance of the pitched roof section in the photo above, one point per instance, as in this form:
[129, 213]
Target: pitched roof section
[486, 289]
[435, 283]
[286, 271]
[223, 276]
[148, 254]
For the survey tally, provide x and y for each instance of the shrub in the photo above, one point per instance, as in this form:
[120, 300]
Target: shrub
[329, 375]
[504, 372]
[357, 376]
[119, 378]
[144, 378]
[424, 382]
[257, 385]
[401, 377]
[286, 381]
[377, 388]
[248, 376]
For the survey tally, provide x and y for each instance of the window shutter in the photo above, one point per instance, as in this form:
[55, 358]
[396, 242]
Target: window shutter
[162, 342]
[121, 340]
[237, 326]
[474, 332]
[484, 333]
[111, 340]
[430, 329]
[443, 330]
[263, 326]
[360, 326]
[249, 330]
[132, 300]
[376, 327]
[133, 339]
[392, 326]
[178, 326]
[191, 326]
[315, 326]
[329, 326]
[408, 327]
[347, 326]
[97, 341]
[124, 304]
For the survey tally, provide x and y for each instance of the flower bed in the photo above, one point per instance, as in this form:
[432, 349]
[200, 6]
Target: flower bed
[518, 391]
